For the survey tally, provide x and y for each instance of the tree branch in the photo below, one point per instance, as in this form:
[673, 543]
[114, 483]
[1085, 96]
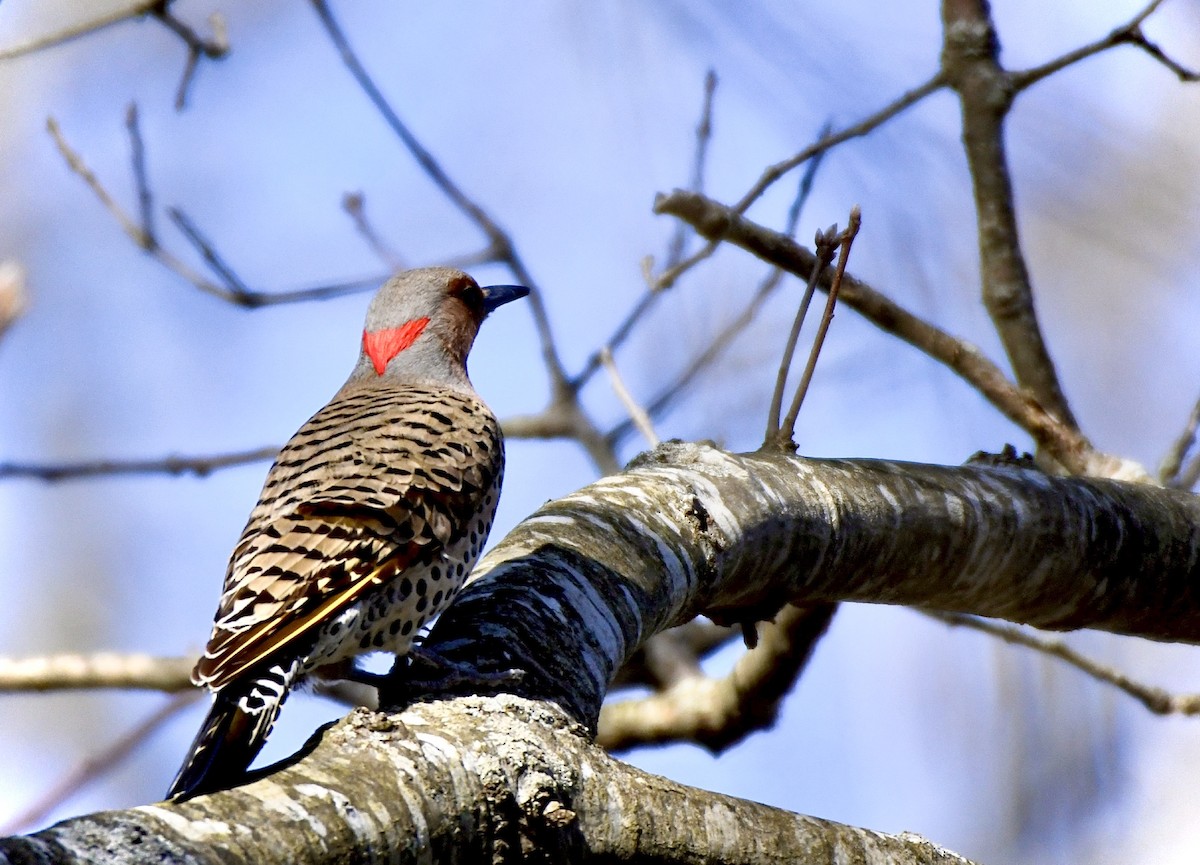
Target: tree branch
[101, 670]
[1067, 445]
[971, 65]
[687, 529]
[200, 466]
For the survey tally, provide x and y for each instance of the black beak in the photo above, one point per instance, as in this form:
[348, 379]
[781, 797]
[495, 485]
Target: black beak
[497, 295]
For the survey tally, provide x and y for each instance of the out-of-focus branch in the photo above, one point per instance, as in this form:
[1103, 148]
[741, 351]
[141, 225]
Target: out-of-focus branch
[101, 670]
[774, 172]
[1067, 445]
[500, 241]
[1157, 700]
[200, 466]
[214, 48]
[12, 294]
[97, 765]
[718, 713]
[1171, 471]
[671, 655]
[354, 203]
[674, 251]
[145, 240]
[667, 395]
[699, 162]
[1127, 34]
[83, 28]
[637, 414]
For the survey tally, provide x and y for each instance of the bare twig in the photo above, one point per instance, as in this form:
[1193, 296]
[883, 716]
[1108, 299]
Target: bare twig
[1129, 33]
[1168, 472]
[774, 172]
[200, 466]
[714, 349]
[137, 153]
[232, 281]
[636, 413]
[98, 765]
[1066, 444]
[500, 241]
[1190, 475]
[354, 205]
[718, 713]
[214, 48]
[699, 160]
[845, 240]
[246, 299]
[826, 243]
[84, 28]
[1157, 700]
[674, 252]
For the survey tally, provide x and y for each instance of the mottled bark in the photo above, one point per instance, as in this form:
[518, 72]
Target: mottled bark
[574, 590]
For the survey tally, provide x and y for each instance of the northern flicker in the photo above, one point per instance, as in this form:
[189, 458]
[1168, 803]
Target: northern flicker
[368, 522]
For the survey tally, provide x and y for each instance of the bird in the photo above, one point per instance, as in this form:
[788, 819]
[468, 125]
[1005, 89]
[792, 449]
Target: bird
[368, 523]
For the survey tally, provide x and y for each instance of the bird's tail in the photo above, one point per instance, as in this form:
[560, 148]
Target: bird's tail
[237, 726]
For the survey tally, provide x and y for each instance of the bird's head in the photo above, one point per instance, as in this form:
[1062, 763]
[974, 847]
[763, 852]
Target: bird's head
[422, 323]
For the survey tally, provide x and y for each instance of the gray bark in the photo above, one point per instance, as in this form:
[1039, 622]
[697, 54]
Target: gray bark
[574, 590]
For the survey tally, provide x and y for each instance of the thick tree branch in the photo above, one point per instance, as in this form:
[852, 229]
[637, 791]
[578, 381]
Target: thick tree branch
[467, 780]
[576, 588]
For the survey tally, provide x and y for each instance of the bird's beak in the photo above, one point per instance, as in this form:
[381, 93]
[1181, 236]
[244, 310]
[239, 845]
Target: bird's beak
[497, 295]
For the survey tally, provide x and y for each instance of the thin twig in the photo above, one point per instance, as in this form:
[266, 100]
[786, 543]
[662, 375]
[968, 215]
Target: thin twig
[845, 240]
[774, 172]
[674, 252]
[825, 244]
[699, 162]
[245, 299]
[1168, 472]
[76, 31]
[200, 466]
[214, 48]
[1190, 475]
[1129, 33]
[863, 127]
[233, 282]
[1067, 445]
[500, 241]
[137, 155]
[98, 765]
[1157, 700]
[354, 203]
[636, 413]
[765, 289]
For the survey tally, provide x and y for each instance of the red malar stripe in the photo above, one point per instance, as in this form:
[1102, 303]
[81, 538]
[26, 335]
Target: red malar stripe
[383, 345]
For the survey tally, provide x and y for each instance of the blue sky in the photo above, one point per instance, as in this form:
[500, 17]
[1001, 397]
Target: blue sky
[563, 121]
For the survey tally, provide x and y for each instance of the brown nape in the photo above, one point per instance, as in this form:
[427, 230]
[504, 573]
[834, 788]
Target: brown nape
[458, 326]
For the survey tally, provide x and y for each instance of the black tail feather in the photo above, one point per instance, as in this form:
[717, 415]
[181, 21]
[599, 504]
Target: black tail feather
[237, 726]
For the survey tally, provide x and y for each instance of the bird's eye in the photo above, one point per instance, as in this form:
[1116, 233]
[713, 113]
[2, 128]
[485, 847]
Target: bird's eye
[468, 291]
[472, 295]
